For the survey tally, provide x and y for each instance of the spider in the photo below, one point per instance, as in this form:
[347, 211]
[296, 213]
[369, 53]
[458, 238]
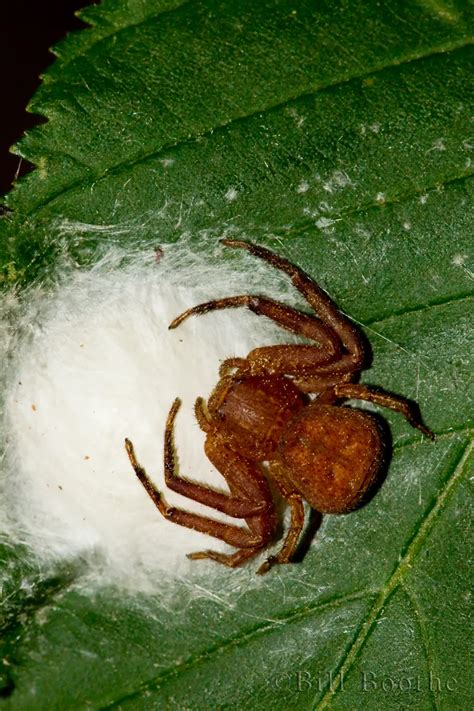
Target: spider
[277, 414]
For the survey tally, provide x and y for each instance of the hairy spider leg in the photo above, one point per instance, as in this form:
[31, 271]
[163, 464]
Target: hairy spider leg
[285, 316]
[317, 299]
[392, 402]
[202, 415]
[230, 504]
[295, 501]
[241, 477]
[233, 535]
[231, 560]
[295, 360]
[324, 379]
[280, 359]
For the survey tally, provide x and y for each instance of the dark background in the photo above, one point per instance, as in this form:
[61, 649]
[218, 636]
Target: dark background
[27, 29]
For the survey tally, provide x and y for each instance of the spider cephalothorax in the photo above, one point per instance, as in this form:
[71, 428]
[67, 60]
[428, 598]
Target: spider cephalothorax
[261, 423]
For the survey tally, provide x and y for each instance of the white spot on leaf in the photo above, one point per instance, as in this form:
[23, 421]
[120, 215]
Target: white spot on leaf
[303, 187]
[231, 195]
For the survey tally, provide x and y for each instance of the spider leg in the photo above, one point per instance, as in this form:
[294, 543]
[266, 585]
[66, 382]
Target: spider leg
[250, 496]
[317, 298]
[279, 359]
[393, 402]
[233, 535]
[230, 504]
[231, 560]
[201, 415]
[341, 349]
[324, 380]
[287, 317]
[305, 363]
[295, 501]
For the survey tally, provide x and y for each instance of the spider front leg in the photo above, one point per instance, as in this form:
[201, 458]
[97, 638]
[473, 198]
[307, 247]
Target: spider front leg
[250, 496]
[277, 360]
[393, 402]
[233, 535]
[231, 560]
[287, 317]
[316, 297]
[339, 342]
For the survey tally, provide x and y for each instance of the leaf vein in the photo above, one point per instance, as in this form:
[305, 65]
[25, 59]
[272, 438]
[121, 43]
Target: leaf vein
[420, 618]
[448, 301]
[143, 157]
[396, 579]
[239, 640]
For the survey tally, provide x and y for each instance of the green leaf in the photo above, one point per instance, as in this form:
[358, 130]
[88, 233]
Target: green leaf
[338, 134]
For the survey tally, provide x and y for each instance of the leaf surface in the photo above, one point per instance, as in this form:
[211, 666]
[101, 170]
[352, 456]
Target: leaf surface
[339, 135]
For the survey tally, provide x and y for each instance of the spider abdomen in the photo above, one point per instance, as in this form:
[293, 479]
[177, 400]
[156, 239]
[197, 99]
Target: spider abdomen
[332, 456]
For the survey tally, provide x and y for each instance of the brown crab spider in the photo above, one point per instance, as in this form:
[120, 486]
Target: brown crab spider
[260, 423]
